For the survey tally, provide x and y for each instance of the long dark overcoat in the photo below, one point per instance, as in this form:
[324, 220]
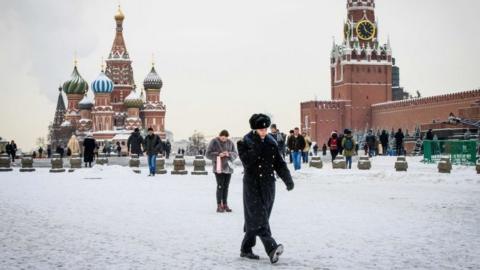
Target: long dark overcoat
[261, 159]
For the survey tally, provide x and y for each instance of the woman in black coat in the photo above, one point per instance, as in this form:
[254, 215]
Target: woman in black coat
[89, 145]
[261, 158]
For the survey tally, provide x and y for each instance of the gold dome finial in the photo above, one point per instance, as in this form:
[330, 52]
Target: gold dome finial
[119, 15]
[103, 64]
[153, 60]
[75, 60]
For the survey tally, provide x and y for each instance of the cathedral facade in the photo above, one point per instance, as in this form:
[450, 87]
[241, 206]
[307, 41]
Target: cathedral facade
[365, 84]
[117, 106]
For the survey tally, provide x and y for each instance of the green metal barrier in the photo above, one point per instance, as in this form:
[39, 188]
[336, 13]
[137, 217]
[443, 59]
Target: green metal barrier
[460, 152]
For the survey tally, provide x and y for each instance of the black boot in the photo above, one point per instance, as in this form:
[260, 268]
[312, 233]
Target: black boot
[226, 208]
[275, 254]
[249, 255]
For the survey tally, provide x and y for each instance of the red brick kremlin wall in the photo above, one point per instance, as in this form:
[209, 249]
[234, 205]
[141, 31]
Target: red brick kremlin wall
[320, 118]
[407, 114]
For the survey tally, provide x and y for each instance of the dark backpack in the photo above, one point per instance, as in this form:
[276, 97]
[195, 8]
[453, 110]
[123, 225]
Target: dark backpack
[348, 145]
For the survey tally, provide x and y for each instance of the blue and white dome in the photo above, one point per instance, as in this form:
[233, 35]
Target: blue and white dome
[102, 84]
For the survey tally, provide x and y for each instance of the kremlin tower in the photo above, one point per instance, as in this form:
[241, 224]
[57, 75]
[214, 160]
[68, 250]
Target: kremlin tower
[364, 79]
[361, 67]
[117, 107]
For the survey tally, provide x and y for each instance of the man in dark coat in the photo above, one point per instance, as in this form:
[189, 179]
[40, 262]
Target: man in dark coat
[134, 143]
[13, 150]
[8, 149]
[371, 142]
[399, 141]
[152, 145]
[296, 144]
[280, 137]
[289, 151]
[60, 150]
[89, 146]
[261, 158]
[429, 135]
[168, 149]
[384, 141]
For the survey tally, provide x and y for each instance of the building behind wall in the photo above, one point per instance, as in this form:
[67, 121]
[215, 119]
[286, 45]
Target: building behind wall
[398, 92]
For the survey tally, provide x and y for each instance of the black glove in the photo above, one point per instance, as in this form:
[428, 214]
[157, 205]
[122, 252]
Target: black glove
[290, 186]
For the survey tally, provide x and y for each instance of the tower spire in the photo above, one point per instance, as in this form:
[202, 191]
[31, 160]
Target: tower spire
[119, 15]
[119, 58]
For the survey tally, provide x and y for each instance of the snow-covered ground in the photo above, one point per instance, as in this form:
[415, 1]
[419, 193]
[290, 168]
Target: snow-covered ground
[110, 218]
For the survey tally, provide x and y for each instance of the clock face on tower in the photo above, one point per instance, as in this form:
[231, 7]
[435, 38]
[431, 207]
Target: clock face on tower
[365, 30]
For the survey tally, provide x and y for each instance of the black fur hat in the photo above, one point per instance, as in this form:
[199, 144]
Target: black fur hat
[259, 121]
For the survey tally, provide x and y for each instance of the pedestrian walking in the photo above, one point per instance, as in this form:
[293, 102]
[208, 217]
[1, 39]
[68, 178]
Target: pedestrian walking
[279, 137]
[399, 136]
[135, 142]
[296, 144]
[348, 145]
[89, 146]
[73, 145]
[152, 145]
[261, 157]
[306, 150]
[333, 144]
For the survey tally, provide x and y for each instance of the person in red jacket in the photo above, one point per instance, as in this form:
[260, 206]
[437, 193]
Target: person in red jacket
[334, 145]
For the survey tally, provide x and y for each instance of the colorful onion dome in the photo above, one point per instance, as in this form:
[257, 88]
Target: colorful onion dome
[133, 100]
[152, 81]
[76, 84]
[86, 103]
[102, 84]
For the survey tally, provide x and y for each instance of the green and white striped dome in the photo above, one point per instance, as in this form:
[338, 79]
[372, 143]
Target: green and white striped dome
[76, 84]
[133, 100]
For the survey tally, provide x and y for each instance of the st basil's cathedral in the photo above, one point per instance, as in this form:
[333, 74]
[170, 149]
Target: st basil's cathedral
[117, 107]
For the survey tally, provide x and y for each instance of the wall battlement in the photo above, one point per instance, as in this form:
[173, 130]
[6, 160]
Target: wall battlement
[427, 100]
[326, 104]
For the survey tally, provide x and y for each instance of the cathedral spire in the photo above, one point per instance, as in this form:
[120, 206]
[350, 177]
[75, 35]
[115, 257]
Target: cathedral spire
[118, 58]
[60, 111]
[119, 49]
[119, 15]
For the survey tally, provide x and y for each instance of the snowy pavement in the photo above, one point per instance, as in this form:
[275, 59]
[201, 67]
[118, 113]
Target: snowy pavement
[110, 218]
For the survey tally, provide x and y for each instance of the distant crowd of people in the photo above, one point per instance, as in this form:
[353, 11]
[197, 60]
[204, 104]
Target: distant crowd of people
[299, 146]
[11, 149]
[345, 144]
